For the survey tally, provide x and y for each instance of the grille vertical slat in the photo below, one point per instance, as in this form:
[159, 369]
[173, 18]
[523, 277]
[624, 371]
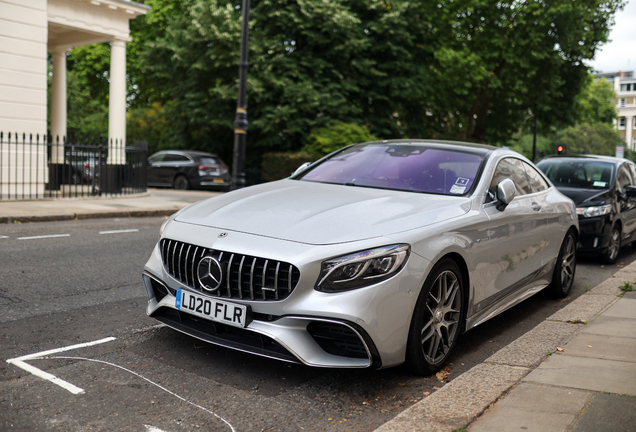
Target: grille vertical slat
[240, 274]
[264, 283]
[229, 276]
[174, 257]
[252, 279]
[276, 281]
[179, 263]
[194, 274]
[185, 268]
[269, 280]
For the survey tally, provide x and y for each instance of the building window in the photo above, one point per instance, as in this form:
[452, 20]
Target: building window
[621, 123]
[628, 87]
[621, 102]
[634, 123]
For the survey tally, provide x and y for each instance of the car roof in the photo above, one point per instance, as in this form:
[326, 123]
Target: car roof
[188, 153]
[479, 148]
[578, 158]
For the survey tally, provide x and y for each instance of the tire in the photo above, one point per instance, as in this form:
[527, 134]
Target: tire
[437, 319]
[181, 183]
[609, 257]
[565, 268]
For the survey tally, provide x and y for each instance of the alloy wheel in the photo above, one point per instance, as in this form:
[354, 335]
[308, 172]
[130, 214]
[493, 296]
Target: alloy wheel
[441, 325]
[568, 262]
[614, 246]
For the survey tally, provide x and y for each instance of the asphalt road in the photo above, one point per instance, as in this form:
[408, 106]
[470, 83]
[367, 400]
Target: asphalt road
[69, 283]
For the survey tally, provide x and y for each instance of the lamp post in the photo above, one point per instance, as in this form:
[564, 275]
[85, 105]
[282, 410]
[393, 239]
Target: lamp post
[240, 121]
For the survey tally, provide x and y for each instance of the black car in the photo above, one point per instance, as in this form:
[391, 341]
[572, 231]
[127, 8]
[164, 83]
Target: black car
[183, 169]
[602, 187]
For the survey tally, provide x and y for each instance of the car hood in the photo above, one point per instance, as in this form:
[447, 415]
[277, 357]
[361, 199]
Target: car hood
[586, 197]
[316, 213]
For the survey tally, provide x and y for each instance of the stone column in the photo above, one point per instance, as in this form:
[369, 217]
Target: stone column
[629, 128]
[58, 104]
[117, 103]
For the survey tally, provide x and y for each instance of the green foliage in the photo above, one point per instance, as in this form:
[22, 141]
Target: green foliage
[598, 138]
[492, 62]
[594, 104]
[522, 143]
[276, 166]
[331, 138]
[474, 70]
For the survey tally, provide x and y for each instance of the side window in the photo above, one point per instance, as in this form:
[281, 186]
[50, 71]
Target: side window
[623, 180]
[513, 169]
[176, 158]
[157, 158]
[537, 183]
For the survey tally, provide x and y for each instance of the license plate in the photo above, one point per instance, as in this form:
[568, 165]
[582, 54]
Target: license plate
[216, 310]
[219, 181]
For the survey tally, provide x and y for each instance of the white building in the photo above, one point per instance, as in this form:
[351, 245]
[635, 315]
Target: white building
[29, 29]
[625, 88]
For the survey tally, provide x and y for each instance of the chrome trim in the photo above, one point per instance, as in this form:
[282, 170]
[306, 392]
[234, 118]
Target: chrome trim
[252, 279]
[240, 277]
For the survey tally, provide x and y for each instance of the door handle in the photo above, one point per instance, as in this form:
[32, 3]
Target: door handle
[536, 207]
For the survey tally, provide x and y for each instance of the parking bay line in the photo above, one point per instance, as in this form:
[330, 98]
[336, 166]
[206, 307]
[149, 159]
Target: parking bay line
[119, 231]
[44, 236]
[20, 362]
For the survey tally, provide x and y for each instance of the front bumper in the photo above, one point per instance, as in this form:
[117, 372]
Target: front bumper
[361, 328]
[594, 234]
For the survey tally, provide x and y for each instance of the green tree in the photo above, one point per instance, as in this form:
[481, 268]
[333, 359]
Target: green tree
[493, 62]
[597, 138]
[325, 140]
[311, 63]
[594, 104]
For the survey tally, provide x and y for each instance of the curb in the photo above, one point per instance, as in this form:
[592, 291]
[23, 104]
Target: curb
[83, 216]
[468, 396]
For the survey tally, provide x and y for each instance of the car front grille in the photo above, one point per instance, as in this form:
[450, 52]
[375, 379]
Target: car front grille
[244, 276]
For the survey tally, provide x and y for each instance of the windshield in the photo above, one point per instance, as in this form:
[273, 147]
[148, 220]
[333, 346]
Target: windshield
[579, 174]
[400, 167]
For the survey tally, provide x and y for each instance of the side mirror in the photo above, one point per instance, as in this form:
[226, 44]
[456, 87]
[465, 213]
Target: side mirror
[301, 168]
[506, 191]
[630, 191]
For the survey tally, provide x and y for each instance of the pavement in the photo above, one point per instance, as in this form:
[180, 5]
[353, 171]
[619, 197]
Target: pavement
[574, 372]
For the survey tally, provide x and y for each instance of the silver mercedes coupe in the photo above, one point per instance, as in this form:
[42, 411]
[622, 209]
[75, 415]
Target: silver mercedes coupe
[379, 254]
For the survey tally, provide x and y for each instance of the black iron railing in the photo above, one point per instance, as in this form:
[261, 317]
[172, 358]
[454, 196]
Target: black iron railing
[37, 167]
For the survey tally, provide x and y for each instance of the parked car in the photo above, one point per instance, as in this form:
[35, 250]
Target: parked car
[602, 187]
[378, 254]
[188, 170]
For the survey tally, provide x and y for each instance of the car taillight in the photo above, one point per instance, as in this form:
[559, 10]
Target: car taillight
[206, 170]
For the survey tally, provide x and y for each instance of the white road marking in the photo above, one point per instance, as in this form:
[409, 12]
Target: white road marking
[153, 429]
[119, 231]
[44, 236]
[20, 362]
[145, 379]
[1, 236]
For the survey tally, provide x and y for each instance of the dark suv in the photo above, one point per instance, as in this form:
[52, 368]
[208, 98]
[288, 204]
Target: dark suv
[602, 187]
[188, 169]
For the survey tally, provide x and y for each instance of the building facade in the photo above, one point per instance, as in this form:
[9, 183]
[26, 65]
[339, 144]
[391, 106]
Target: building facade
[29, 30]
[625, 102]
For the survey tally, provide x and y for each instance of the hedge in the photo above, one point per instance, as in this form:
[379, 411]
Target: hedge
[277, 166]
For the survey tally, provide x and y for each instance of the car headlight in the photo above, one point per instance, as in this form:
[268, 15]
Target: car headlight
[593, 211]
[362, 268]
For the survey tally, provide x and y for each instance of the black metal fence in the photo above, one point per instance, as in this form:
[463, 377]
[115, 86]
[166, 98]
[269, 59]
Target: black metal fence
[37, 167]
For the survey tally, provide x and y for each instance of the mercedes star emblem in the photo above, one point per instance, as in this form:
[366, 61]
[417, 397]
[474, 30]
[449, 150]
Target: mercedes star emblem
[209, 273]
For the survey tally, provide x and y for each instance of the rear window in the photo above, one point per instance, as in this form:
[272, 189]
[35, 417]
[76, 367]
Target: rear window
[578, 174]
[206, 160]
[400, 167]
